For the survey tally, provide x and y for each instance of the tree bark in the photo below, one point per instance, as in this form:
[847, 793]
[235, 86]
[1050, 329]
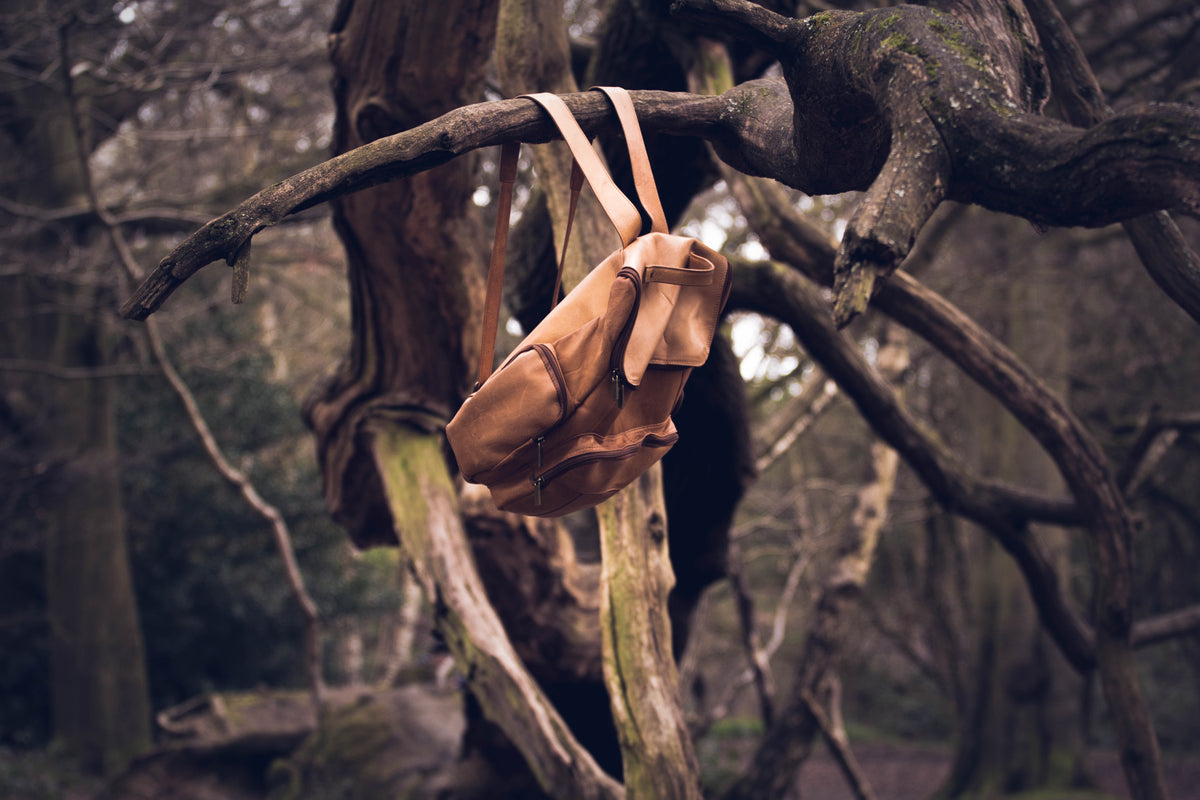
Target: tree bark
[424, 504]
[413, 246]
[639, 663]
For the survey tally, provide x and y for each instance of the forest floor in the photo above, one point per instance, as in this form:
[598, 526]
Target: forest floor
[896, 770]
[903, 771]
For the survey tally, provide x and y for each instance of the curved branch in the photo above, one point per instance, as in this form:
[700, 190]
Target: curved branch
[1144, 160]
[1173, 265]
[398, 156]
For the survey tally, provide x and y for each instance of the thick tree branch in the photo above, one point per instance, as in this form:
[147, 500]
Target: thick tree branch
[1173, 265]
[397, 156]
[639, 666]
[1148, 158]
[790, 238]
[908, 103]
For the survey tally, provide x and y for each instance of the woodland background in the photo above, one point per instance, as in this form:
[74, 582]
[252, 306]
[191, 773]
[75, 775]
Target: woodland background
[171, 113]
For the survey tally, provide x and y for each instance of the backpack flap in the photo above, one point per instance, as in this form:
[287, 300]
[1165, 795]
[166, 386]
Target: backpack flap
[684, 285]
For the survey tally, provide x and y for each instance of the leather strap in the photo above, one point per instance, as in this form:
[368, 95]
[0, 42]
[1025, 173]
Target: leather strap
[623, 213]
[509, 154]
[587, 164]
[643, 176]
[576, 188]
[680, 276]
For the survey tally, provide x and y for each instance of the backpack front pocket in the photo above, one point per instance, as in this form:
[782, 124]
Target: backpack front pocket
[585, 470]
[514, 407]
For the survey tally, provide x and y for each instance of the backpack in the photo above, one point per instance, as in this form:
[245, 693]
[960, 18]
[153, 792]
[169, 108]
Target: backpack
[583, 405]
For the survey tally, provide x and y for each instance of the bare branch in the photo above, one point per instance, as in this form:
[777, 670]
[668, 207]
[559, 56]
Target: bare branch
[1156, 434]
[759, 664]
[71, 373]
[788, 424]
[1145, 159]
[840, 749]
[1183, 622]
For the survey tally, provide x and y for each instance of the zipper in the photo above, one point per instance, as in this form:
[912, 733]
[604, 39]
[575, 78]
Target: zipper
[616, 362]
[554, 370]
[539, 481]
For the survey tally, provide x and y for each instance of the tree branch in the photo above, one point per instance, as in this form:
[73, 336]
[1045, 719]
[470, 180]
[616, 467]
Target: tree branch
[1167, 626]
[1147, 158]
[913, 108]
[1003, 510]
[397, 156]
[1173, 265]
[840, 749]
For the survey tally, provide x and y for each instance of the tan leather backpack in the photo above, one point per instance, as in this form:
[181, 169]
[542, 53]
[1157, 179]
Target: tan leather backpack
[583, 405]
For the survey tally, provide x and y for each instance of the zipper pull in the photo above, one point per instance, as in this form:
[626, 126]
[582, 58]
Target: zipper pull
[618, 389]
[540, 441]
[538, 480]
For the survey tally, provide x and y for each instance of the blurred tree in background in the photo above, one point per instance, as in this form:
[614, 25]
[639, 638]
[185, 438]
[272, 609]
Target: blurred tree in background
[181, 109]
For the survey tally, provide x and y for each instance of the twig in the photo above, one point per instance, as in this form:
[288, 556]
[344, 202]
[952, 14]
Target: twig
[840, 749]
[756, 657]
[800, 414]
[1156, 434]
[759, 656]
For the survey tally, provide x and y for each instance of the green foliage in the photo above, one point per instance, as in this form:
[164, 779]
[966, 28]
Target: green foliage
[216, 610]
[722, 750]
[37, 775]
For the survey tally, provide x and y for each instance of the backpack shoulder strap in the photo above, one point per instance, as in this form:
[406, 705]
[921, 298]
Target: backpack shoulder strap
[620, 210]
[509, 154]
[643, 176]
